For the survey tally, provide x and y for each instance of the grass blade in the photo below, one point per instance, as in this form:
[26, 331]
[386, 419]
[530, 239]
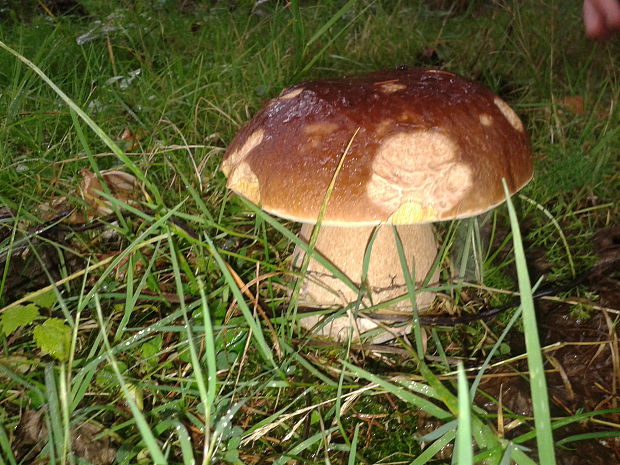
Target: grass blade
[586, 436]
[538, 383]
[292, 237]
[411, 290]
[207, 388]
[353, 451]
[432, 450]
[299, 30]
[401, 393]
[5, 446]
[335, 36]
[330, 22]
[87, 119]
[185, 443]
[304, 445]
[54, 410]
[464, 451]
[147, 435]
[257, 332]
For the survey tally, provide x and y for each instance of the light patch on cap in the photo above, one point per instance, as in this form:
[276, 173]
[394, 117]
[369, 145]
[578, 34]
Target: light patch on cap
[316, 134]
[417, 176]
[389, 87]
[291, 94]
[383, 127]
[509, 114]
[456, 179]
[320, 129]
[244, 182]
[239, 155]
[411, 118]
[439, 71]
[486, 120]
[383, 192]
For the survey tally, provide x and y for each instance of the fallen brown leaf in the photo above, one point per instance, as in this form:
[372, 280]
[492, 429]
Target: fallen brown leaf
[122, 186]
[87, 442]
[573, 104]
[133, 138]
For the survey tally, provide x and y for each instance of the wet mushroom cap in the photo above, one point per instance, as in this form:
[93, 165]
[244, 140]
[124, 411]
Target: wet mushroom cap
[431, 146]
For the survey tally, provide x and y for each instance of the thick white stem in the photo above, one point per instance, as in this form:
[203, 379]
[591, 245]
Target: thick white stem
[345, 248]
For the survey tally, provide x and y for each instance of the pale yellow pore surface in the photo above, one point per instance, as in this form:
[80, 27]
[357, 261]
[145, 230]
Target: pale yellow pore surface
[416, 176]
[509, 114]
[345, 248]
[238, 155]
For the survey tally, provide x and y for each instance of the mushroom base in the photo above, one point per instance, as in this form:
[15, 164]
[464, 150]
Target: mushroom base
[345, 248]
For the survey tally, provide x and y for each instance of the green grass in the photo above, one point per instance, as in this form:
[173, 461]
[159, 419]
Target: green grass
[171, 358]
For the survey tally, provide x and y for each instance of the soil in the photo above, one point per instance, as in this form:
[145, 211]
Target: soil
[585, 368]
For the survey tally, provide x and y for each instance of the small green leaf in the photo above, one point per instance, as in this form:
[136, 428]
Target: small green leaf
[137, 395]
[37, 398]
[54, 337]
[106, 379]
[151, 348]
[45, 300]
[232, 450]
[17, 316]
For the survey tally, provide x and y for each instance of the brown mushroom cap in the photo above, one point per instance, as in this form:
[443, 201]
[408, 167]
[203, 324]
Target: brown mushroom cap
[431, 146]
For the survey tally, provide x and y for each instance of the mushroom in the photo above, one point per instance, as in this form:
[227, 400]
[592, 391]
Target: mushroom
[422, 145]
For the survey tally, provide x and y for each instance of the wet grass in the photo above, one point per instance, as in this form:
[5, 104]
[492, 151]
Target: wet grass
[148, 342]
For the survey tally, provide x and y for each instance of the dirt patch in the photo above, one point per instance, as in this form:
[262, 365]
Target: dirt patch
[584, 370]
